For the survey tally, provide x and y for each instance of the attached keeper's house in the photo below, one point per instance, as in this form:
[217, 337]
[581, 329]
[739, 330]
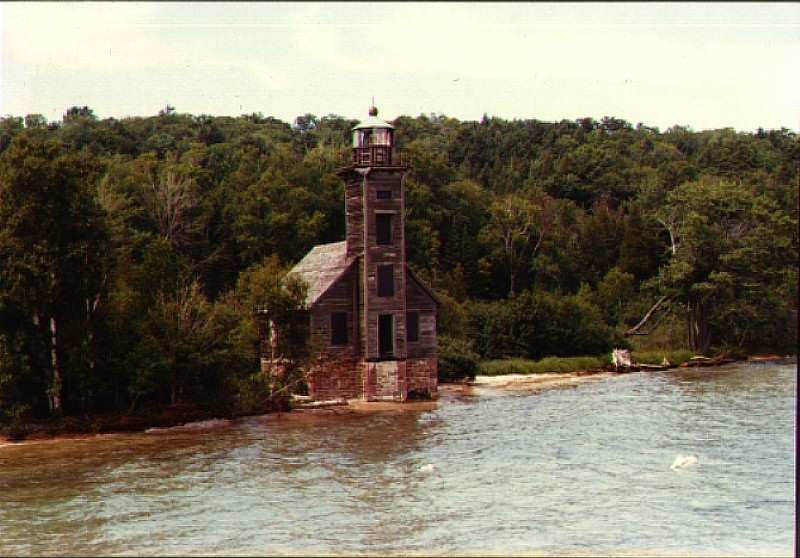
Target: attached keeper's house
[373, 323]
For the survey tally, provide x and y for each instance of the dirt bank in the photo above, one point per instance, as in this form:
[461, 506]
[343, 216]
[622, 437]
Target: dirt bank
[89, 426]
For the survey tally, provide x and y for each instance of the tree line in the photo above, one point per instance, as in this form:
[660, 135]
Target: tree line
[132, 251]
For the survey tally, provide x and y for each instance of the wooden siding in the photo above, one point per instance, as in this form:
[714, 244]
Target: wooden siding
[338, 298]
[375, 255]
[355, 369]
[354, 213]
[417, 300]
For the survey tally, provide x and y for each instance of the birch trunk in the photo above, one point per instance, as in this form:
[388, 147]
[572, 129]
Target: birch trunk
[699, 334]
[55, 387]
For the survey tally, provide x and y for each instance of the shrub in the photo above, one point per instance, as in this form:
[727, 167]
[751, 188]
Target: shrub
[548, 365]
[457, 360]
[657, 357]
[18, 429]
[536, 324]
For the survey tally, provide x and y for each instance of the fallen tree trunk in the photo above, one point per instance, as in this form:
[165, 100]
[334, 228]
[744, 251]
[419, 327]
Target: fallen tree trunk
[635, 329]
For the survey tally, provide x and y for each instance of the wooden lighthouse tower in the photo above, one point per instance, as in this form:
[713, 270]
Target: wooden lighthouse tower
[373, 323]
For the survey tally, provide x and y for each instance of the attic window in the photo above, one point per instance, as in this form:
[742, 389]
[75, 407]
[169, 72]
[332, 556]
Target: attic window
[338, 328]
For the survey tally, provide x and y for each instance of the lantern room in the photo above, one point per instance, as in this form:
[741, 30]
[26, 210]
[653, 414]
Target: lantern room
[373, 142]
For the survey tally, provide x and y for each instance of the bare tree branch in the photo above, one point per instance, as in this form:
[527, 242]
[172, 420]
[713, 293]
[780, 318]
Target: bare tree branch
[635, 329]
[172, 201]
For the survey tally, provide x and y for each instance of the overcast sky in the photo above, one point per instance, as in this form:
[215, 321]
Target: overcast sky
[702, 65]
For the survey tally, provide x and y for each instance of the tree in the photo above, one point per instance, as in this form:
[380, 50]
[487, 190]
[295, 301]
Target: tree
[736, 258]
[35, 121]
[613, 294]
[172, 203]
[517, 227]
[76, 113]
[279, 300]
[641, 251]
[52, 247]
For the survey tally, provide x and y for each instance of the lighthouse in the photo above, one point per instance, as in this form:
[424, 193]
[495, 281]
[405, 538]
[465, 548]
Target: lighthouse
[372, 321]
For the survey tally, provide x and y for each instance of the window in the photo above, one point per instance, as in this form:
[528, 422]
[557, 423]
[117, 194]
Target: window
[383, 194]
[412, 326]
[383, 228]
[380, 136]
[338, 328]
[386, 280]
[386, 335]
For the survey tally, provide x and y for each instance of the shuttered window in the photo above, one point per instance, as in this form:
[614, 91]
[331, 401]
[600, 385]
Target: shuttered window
[383, 228]
[412, 326]
[386, 280]
[338, 328]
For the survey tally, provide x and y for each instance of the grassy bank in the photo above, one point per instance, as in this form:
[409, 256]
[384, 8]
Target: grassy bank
[563, 365]
[656, 357]
[543, 366]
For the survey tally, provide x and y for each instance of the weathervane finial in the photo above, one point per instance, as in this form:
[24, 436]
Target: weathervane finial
[373, 110]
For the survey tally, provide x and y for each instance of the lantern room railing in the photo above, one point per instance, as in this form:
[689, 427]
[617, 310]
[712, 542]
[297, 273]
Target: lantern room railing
[377, 156]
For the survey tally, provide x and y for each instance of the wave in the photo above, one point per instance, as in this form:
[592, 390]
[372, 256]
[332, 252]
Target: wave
[199, 425]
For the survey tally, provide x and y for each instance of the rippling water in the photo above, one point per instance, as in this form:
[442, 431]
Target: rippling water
[581, 470]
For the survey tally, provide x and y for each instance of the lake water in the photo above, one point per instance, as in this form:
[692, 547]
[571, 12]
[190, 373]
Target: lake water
[579, 470]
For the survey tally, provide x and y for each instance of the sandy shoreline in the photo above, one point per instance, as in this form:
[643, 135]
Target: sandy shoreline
[531, 383]
[481, 385]
[538, 382]
[511, 382]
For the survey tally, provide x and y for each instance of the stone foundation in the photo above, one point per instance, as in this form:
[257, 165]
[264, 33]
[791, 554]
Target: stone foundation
[338, 378]
[353, 378]
[385, 380]
[422, 376]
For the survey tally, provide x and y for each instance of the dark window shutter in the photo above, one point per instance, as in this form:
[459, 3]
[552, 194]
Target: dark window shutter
[412, 326]
[386, 280]
[383, 228]
[338, 328]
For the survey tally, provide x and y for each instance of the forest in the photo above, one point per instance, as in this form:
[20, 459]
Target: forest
[133, 251]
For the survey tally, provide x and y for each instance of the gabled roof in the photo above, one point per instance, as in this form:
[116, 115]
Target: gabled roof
[325, 263]
[321, 267]
[423, 286]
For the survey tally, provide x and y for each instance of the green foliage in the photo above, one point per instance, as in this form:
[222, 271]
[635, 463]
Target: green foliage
[675, 357]
[146, 242]
[535, 324]
[457, 360]
[52, 269]
[734, 264]
[614, 293]
[451, 319]
[547, 365]
[279, 300]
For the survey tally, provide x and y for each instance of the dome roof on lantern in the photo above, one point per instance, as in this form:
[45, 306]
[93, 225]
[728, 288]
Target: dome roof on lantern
[373, 121]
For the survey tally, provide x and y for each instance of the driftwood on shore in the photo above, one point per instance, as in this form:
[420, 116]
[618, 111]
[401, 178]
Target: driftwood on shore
[622, 361]
[701, 361]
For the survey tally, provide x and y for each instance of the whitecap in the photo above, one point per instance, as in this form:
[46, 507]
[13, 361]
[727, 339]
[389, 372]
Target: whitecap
[682, 461]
